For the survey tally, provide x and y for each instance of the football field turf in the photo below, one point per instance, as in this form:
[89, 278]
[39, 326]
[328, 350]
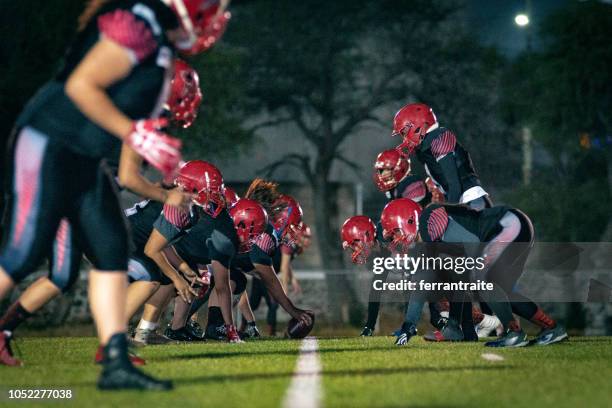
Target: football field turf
[356, 372]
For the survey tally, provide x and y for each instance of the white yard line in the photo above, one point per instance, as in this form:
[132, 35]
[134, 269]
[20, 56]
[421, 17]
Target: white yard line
[305, 388]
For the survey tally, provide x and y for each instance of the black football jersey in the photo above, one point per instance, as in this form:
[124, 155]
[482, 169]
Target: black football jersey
[412, 187]
[447, 163]
[137, 25]
[211, 239]
[262, 252]
[141, 218]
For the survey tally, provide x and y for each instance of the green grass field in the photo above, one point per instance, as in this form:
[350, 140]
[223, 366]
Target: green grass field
[368, 372]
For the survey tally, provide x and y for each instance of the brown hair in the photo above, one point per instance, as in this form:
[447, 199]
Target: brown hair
[265, 193]
[90, 10]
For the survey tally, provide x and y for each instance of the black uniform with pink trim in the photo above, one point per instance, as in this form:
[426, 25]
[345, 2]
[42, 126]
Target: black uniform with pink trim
[412, 187]
[56, 157]
[212, 239]
[505, 235]
[447, 163]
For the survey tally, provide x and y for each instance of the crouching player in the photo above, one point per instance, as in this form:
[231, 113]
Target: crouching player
[207, 217]
[241, 225]
[507, 237]
[285, 215]
[392, 177]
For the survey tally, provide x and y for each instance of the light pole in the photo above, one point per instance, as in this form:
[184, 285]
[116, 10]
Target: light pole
[522, 20]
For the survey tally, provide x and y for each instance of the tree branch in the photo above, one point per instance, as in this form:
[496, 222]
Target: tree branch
[298, 161]
[356, 168]
[268, 123]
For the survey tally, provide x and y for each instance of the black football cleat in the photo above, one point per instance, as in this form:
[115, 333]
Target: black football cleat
[251, 332]
[119, 373]
[216, 332]
[407, 331]
[509, 339]
[194, 328]
[182, 334]
[450, 332]
[550, 336]
[367, 332]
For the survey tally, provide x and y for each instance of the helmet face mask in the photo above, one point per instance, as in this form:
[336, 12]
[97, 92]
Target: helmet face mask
[250, 221]
[399, 242]
[205, 182]
[360, 251]
[211, 201]
[390, 168]
[185, 95]
[359, 235]
[287, 218]
[412, 122]
[400, 223]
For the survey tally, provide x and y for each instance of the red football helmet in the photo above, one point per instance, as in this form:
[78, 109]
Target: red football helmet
[437, 196]
[185, 94]
[205, 181]
[203, 20]
[412, 123]
[286, 221]
[390, 168]
[250, 220]
[231, 197]
[400, 223]
[359, 234]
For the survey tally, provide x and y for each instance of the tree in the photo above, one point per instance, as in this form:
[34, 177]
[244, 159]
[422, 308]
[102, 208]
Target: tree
[564, 92]
[330, 68]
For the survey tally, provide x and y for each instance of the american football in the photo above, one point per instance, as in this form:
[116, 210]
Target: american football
[296, 329]
[187, 184]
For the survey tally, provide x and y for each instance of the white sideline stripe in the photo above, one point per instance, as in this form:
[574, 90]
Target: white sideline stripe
[305, 388]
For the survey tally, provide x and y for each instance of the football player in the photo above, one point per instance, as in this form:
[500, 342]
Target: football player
[449, 166]
[284, 214]
[508, 237]
[184, 325]
[282, 265]
[109, 91]
[197, 250]
[392, 177]
[210, 215]
[64, 261]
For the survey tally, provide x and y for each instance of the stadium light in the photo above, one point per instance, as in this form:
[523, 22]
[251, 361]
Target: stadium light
[521, 20]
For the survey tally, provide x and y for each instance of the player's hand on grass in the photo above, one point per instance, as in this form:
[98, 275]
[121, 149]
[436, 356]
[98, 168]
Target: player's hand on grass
[184, 290]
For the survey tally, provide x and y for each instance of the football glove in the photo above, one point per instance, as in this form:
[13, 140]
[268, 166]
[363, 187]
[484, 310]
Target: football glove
[156, 147]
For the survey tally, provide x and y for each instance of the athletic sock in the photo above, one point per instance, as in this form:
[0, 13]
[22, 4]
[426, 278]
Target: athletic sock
[215, 317]
[543, 320]
[147, 325]
[14, 316]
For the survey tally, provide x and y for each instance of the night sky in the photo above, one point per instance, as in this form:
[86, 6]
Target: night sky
[493, 21]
